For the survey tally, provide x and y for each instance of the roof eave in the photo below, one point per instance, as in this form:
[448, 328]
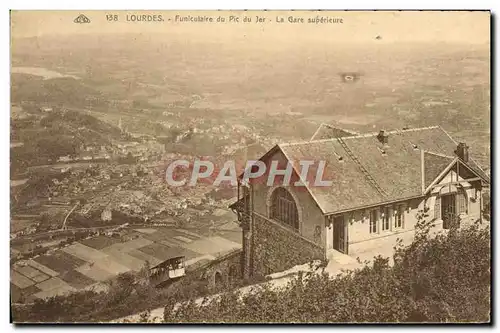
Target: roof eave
[269, 152]
[448, 168]
[374, 205]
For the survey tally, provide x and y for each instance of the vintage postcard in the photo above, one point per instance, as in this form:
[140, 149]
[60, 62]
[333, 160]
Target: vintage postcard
[250, 166]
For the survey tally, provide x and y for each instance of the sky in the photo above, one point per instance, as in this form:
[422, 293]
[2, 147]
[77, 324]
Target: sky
[396, 26]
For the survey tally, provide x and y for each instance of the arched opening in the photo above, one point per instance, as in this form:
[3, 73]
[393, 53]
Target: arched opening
[218, 281]
[284, 208]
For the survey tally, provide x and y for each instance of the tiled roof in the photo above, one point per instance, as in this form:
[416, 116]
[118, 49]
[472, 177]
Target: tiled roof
[434, 165]
[326, 131]
[473, 164]
[369, 172]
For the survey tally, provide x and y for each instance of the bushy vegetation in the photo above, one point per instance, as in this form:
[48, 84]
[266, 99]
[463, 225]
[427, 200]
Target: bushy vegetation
[487, 205]
[441, 279]
[435, 279]
[127, 294]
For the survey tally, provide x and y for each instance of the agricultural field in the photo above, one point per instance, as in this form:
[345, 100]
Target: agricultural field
[100, 242]
[88, 263]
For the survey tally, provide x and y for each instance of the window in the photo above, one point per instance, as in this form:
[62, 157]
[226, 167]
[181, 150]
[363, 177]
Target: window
[373, 221]
[458, 200]
[448, 210]
[399, 218]
[284, 209]
[462, 201]
[437, 208]
[386, 221]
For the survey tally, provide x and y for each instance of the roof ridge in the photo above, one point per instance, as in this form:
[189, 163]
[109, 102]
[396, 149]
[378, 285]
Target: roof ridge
[364, 135]
[329, 126]
[413, 129]
[296, 143]
[339, 128]
[317, 131]
[438, 154]
[395, 131]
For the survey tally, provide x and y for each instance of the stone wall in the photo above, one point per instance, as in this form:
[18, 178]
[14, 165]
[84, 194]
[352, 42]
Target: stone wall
[223, 271]
[277, 248]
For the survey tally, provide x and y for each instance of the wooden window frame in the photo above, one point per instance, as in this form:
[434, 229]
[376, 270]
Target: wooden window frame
[462, 199]
[284, 209]
[437, 208]
[399, 216]
[373, 224]
[447, 223]
[386, 219]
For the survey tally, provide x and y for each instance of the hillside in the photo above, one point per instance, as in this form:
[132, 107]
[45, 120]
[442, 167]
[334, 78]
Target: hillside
[46, 137]
[57, 91]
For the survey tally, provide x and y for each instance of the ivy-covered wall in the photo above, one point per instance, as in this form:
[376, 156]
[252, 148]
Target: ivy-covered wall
[277, 248]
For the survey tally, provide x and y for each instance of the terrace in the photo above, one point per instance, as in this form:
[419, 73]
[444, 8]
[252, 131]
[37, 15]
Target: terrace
[85, 264]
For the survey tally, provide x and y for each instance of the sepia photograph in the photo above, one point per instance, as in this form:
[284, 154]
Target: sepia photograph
[250, 166]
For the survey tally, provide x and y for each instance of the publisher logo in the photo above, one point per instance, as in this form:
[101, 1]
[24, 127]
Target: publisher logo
[82, 19]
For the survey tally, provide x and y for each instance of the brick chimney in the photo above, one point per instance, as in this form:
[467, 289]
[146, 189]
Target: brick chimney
[463, 152]
[383, 137]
